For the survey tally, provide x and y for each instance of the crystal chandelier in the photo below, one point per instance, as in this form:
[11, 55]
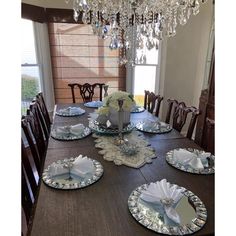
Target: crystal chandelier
[134, 23]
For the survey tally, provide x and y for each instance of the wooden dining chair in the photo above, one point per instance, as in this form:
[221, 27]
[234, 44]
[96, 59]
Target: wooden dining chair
[194, 115]
[209, 142]
[35, 110]
[34, 136]
[42, 105]
[152, 101]
[86, 91]
[179, 113]
[29, 185]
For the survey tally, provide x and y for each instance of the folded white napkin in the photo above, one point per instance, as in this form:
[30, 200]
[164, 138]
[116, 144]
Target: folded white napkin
[197, 161]
[163, 193]
[77, 129]
[95, 103]
[73, 129]
[82, 166]
[73, 110]
[63, 130]
[149, 124]
[57, 169]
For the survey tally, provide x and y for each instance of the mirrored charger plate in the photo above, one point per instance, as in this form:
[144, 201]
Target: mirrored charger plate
[93, 104]
[190, 208]
[209, 169]
[62, 182]
[137, 109]
[102, 129]
[164, 128]
[70, 136]
[66, 112]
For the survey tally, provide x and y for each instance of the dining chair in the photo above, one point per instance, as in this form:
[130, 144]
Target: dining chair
[29, 186]
[86, 91]
[40, 100]
[179, 113]
[209, 143]
[35, 110]
[152, 101]
[34, 136]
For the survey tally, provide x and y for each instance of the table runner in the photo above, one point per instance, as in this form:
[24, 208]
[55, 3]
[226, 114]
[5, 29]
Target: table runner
[111, 152]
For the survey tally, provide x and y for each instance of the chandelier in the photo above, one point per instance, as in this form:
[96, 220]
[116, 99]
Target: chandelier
[134, 24]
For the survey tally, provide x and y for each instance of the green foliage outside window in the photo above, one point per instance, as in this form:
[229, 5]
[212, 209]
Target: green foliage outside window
[29, 87]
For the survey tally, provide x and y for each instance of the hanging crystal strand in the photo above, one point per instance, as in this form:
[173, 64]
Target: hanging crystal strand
[196, 7]
[174, 22]
[93, 22]
[76, 8]
[161, 25]
[182, 13]
[190, 8]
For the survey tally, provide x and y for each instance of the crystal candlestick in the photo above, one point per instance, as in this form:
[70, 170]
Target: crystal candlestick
[105, 90]
[120, 140]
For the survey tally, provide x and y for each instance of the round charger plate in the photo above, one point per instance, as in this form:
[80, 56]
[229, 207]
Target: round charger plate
[149, 217]
[60, 182]
[165, 129]
[94, 104]
[210, 169]
[66, 137]
[96, 127]
[137, 109]
[66, 113]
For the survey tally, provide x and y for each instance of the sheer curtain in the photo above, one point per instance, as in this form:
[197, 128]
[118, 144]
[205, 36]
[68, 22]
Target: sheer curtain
[44, 60]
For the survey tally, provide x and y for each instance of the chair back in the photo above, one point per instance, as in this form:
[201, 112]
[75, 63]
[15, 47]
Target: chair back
[180, 113]
[171, 103]
[151, 100]
[40, 100]
[35, 139]
[29, 185]
[195, 113]
[35, 110]
[86, 91]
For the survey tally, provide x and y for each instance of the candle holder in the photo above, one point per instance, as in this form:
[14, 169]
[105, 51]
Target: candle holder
[105, 90]
[120, 139]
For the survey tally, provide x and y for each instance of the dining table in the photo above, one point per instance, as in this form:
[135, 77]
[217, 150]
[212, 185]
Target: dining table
[101, 209]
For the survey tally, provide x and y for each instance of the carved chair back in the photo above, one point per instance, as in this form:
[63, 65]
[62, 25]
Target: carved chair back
[180, 115]
[180, 112]
[86, 91]
[195, 113]
[171, 103]
[151, 100]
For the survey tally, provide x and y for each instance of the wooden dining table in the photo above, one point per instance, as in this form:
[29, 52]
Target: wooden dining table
[101, 209]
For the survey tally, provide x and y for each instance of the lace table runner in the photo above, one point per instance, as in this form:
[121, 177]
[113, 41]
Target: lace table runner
[111, 152]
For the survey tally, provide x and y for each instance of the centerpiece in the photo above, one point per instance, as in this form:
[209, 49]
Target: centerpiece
[109, 110]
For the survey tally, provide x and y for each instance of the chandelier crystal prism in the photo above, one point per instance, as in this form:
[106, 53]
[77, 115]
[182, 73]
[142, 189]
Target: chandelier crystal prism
[134, 23]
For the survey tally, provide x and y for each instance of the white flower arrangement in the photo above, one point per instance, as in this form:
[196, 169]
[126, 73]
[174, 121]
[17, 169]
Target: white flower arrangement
[111, 101]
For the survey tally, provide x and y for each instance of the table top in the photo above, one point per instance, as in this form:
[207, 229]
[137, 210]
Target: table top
[101, 209]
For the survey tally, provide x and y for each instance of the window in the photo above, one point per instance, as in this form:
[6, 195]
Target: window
[145, 70]
[30, 69]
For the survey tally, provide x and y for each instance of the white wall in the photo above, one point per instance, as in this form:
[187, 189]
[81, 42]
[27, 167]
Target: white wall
[184, 58]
